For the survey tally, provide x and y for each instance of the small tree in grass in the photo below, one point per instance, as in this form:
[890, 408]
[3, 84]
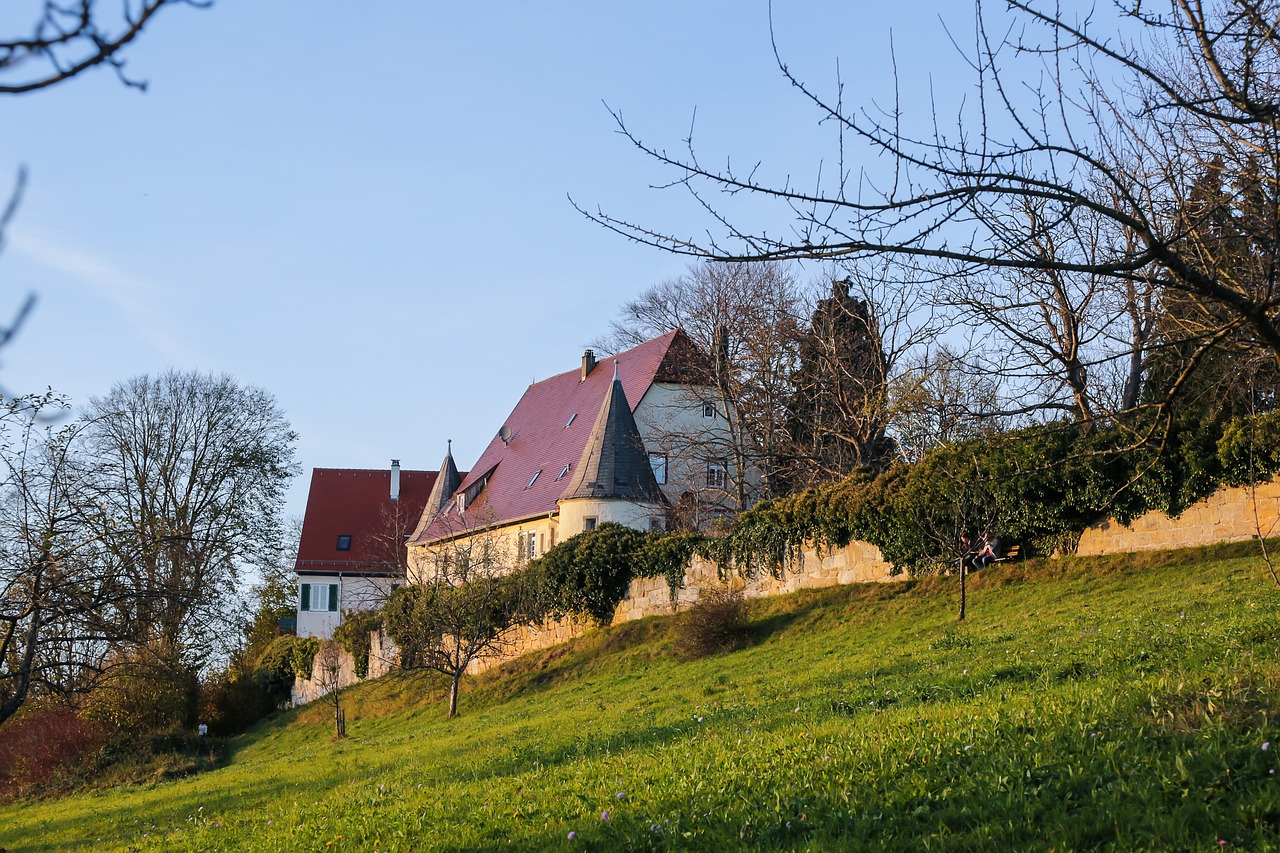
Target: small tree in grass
[460, 611]
[328, 673]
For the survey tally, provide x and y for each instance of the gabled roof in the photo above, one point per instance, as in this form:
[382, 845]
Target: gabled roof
[527, 466]
[357, 503]
[614, 464]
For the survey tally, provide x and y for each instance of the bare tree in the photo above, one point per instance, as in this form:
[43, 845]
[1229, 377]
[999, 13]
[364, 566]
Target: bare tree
[746, 319]
[328, 672]
[460, 608]
[938, 400]
[60, 597]
[69, 38]
[189, 470]
[1134, 101]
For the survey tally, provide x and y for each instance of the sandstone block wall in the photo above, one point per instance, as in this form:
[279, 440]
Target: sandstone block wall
[1228, 515]
[858, 562]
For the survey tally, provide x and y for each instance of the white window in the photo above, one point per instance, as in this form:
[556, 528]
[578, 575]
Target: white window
[658, 462]
[716, 474]
[708, 410]
[589, 523]
[531, 548]
[319, 597]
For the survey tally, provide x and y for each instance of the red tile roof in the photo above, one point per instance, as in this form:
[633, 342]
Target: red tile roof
[357, 503]
[548, 430]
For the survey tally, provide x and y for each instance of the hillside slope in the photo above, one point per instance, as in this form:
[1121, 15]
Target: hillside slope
[1125, 701]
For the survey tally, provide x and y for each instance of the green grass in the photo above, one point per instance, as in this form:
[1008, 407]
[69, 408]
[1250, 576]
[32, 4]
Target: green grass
[1116, 702]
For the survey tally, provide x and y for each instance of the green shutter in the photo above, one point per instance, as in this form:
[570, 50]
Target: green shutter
[333, 597]
[304, 600]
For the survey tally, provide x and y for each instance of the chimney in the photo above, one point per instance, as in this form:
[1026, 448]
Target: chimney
[395, 479]
[588, 364]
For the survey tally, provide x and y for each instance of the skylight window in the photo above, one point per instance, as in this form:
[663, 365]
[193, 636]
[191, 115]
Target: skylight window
[563, 471]
[534, 478]
[570, 421]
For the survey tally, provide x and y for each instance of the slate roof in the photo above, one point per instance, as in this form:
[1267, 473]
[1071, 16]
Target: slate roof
[446, 483]
[357, 503]
[614, 464]
[524, 475]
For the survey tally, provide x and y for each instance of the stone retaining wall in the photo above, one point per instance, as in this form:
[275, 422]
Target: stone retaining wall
[1228, 515]
[858, 562]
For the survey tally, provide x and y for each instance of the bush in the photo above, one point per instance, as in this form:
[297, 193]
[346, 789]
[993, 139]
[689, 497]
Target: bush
[287, 657]
[144, 692]
[1249, 450]
[233, 701]
[354, 633]
[715, 623]
[588, 574]
[43, 746]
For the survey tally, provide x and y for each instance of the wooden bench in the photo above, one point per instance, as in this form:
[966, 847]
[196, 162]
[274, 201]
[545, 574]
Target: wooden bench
[1013, 553]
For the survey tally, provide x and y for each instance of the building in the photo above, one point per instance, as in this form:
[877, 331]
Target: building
[351, 553]
[626, 440]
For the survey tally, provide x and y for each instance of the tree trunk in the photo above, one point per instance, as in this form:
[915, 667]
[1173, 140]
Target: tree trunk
[963, 575]
[453, 696]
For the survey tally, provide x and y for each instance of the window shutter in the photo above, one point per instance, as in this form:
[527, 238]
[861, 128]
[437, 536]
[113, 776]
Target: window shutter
[304, 600]
[333, 597]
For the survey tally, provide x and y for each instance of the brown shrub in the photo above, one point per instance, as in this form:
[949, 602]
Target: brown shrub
[716, 622]
[41, 745]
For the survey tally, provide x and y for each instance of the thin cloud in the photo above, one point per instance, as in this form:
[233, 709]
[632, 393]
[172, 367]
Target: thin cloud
[139, 300]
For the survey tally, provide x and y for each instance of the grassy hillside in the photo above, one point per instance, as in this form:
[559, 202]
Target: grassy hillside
[1119, 702]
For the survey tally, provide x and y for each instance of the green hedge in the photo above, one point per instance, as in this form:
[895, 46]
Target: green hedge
[1040, 486]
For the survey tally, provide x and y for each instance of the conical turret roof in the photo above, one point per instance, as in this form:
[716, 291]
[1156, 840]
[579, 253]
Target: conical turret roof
[614, 463]
[446, 484]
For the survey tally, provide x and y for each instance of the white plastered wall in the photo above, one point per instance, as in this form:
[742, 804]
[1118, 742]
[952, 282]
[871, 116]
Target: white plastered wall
[509, 544]
[354, 593]
[637, 514]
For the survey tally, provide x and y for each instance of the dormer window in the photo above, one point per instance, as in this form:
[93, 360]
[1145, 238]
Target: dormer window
[534, 478]
[344, 542]
[563, 472]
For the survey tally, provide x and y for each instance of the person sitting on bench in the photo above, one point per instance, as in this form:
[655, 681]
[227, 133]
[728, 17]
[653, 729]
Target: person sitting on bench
[989, 553]
[968, 554]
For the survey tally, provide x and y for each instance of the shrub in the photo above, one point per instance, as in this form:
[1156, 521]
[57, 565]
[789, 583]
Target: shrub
[287, 657]
[1249, 449]
[716, 622]
[588, 574]
[42, 745]
[354, 633]
[144, 692]
[234, 700]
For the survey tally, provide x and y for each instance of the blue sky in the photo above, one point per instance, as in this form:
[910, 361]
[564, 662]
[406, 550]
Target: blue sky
[365, 212]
